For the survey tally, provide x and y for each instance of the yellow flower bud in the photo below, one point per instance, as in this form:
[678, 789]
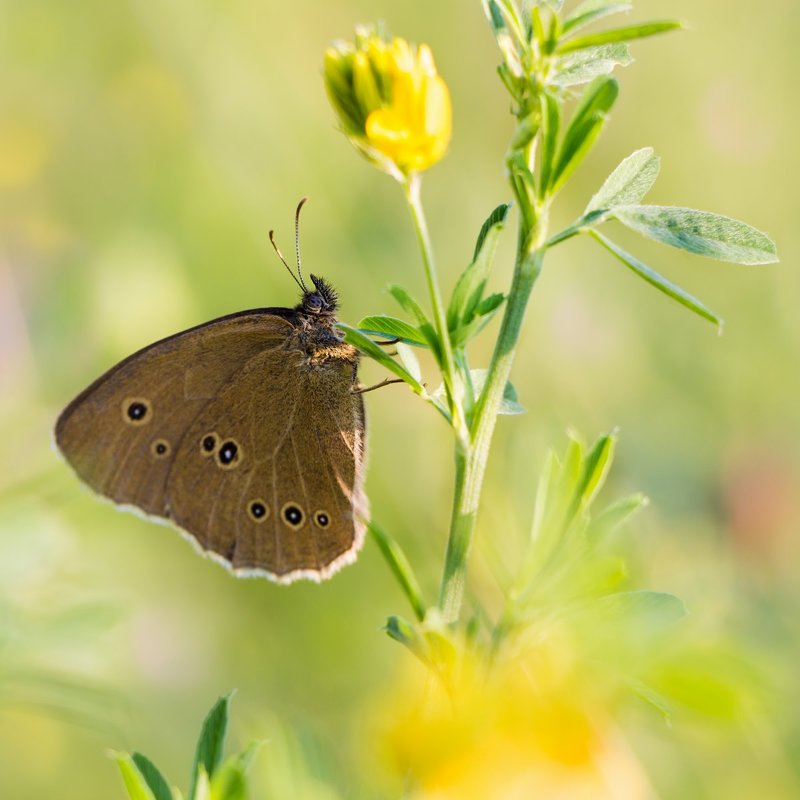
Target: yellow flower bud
[390, 101]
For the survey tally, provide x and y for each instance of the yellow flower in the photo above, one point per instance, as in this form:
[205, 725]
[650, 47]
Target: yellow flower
[390, 101]
[529, 729]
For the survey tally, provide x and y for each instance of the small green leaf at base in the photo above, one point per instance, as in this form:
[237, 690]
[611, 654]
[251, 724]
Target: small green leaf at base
[135, 783]
[401, 568]
[211, 742]
[700, 232]
[659, 281]
[155, 780]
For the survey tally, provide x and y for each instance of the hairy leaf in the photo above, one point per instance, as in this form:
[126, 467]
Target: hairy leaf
[700, 232]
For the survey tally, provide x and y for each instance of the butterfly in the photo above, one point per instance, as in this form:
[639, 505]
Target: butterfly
[247, 433]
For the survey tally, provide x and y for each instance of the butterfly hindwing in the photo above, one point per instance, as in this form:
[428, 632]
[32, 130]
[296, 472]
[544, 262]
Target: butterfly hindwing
[283, 493]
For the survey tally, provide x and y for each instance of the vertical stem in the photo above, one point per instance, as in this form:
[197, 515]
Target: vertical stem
[471, 466]
[411, 188]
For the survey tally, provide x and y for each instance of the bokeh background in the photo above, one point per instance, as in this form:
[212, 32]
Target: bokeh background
[146, 149]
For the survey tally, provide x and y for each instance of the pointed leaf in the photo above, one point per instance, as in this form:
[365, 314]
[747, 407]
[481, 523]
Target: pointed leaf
[211, 742]
[230, 781]
[596, 465]
[409, 304]
[409, 360]
[401, 568]
[700, 232]
[392, 328]
[592, 10]
[626, 34]
[659, 281]
[629, 182]
[617, 514]
[404, 632]
[468, 291]
[135, 783]
[155, 780]
[413, 308]
[369, 348]
[497, 217]
[551, 125]
[484, 314]
[585, 127]
[585, 65]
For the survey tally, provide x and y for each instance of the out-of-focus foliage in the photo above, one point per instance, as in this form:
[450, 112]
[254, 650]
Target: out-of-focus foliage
[145, 150]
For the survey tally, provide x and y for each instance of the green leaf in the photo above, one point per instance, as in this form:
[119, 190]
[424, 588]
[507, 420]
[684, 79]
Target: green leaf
[591, 10]
[586, 65]
[490, 304]
[626, 34]
[404, 632]
[211, 742]
[135, 783]
[510, 402]
[392, 328]
[617, 514]
[659, 281]
[652, 611]
[413, 308]
[401, 568]
[596, 465]
[551, 125]
[486, 310]
[497, 217]
[230, 781]
[369, 348]
[203, 787]
[652, 698]
[154, 779]
[409, 304]
[494, 15]
[700, 232]
[409, 360]
[469, 289]
[585, 127]
[629, 182]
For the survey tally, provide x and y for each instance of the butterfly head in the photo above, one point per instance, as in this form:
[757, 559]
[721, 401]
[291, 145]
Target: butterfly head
[322, 301]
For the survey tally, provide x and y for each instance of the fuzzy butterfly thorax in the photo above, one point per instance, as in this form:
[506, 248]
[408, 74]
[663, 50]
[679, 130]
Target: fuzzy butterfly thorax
[246, 433]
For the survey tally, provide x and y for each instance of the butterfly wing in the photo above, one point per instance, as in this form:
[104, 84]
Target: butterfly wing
[155, 432]
[283, 480]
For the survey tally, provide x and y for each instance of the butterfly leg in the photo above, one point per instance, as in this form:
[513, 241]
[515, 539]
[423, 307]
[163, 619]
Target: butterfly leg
[384, 382]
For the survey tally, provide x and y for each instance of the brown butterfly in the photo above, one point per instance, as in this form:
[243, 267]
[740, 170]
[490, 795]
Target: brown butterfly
[246, 433]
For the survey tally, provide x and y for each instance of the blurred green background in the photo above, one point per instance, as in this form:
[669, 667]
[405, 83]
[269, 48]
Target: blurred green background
[145, 151]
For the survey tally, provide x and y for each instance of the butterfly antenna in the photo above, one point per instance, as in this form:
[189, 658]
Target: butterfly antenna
[280, 256]
[297, 240]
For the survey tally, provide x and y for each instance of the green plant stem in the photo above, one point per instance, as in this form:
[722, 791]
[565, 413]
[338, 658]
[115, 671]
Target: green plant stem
[455, 397]
[471, 465]
[471, 461]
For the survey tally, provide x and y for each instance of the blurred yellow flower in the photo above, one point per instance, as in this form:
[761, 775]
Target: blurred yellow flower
[524, 731]
[390, 100]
